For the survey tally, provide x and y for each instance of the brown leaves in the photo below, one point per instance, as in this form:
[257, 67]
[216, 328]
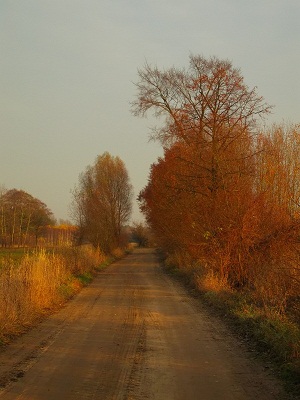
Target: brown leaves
[220, 193]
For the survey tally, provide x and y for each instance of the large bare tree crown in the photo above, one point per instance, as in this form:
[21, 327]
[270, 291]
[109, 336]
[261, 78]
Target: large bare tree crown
[208, 96]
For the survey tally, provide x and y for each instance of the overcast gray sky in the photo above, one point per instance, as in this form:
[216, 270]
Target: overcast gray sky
[67, 67]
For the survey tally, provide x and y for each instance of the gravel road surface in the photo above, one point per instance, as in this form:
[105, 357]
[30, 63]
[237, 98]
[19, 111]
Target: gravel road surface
[134, 333]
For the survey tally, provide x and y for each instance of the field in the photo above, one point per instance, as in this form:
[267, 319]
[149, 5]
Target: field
[14, 254]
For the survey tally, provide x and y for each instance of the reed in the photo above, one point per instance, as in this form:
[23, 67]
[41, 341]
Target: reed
[41, 281]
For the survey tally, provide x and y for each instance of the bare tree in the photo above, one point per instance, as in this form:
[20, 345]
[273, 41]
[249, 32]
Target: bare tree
[207, 108]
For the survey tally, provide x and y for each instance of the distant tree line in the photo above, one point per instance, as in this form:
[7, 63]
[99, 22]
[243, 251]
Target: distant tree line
[101, 208]
[26, 221]
[22, 218]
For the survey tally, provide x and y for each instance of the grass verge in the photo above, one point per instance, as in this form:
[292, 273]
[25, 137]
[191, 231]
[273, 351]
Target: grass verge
[273, 335]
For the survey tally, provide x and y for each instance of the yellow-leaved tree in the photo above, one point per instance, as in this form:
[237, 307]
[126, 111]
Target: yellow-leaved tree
[102, 202]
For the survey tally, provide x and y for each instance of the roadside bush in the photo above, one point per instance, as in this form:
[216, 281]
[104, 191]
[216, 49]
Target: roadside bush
[118, 253]
[82, 258]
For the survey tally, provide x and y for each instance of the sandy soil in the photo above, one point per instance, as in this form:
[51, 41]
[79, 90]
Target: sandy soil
[134, 333]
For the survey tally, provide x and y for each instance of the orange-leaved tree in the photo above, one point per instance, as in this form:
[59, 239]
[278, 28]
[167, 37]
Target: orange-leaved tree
[208, 133]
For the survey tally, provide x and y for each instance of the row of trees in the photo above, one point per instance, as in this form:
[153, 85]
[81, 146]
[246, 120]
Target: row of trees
[224, 192]
[23, 218]
[26, 221]
[101, 208]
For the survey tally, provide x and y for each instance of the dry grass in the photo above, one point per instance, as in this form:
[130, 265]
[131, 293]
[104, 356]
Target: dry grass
[261, 312]
[118, 253]
[211, 282]
[41, 281]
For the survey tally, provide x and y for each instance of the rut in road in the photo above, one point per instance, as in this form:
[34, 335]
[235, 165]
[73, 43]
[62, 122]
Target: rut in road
[133, 333]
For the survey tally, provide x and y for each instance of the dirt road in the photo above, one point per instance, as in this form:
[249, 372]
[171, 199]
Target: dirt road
[134, 333]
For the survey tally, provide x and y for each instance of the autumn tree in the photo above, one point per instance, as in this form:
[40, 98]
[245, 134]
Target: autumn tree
[208, 108]
[165, 205]
[224, 193]
[274, 220]
[209, 119]
[278, 166]
[22, 216]
[2, 221]
[102, 202]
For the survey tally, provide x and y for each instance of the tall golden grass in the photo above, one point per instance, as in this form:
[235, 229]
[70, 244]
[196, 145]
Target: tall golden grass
[40, 282]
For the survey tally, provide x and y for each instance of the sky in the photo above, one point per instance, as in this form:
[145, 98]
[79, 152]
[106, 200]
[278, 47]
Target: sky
[68, 67]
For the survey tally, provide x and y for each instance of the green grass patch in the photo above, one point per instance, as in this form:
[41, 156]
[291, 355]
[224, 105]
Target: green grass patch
[16, 254]
[13, 254]
[85, 278]
[66, 291]
[105, 263]
[272, 335]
